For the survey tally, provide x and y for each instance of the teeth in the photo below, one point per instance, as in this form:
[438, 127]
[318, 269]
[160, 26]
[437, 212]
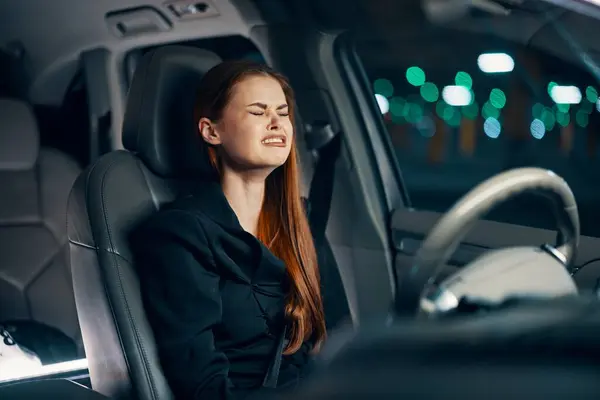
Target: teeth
[273, 140]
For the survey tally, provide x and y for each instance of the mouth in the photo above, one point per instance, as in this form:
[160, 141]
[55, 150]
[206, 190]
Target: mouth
[275, 141]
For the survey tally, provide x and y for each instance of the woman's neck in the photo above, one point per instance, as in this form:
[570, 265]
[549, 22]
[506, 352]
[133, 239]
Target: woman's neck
[245, 194]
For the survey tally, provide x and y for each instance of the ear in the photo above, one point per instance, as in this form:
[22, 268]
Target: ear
[208, 132]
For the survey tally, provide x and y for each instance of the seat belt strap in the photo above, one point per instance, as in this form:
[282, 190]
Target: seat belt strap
[272, 375]
[98, 96]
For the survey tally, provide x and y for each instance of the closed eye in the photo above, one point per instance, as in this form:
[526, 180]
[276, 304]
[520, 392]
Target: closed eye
[262, 113]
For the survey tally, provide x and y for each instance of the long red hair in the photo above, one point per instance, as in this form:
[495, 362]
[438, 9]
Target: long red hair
[282, 224]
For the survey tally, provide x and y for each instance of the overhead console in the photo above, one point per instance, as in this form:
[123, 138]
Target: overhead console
[137, 21]
[143, 20]
[191, 9]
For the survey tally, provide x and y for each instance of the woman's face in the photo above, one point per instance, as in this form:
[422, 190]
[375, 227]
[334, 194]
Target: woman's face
[255, 130]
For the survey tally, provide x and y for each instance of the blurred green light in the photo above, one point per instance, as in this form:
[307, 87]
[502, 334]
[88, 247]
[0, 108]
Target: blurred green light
[471, 111]
[489, 111]
[550, 86]
[445, 111]
[564, 108]
[563, 118]
[454, 118]
[414, 113]
[591, 94]
[582, 118]
[383, 87]
[397, 105]
[430, 92]
[415, 76]
[497, 98]
[537, 110]
[449, 113]
[440, 108]
[547, 117]
[462, 78]
[398, 119]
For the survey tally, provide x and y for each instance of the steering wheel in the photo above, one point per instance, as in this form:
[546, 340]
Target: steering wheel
[536, 271]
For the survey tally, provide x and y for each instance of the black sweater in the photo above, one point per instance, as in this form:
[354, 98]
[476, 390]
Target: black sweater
[214, 296]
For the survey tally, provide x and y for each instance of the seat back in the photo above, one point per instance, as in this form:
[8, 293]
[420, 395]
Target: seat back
[115, 194]
[35, 283]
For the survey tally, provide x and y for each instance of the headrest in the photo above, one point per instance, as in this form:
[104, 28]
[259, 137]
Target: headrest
[19, 136]
[159, 125]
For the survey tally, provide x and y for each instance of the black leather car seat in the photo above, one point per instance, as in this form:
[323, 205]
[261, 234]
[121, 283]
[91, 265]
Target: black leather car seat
[35, 283]
[111, 197]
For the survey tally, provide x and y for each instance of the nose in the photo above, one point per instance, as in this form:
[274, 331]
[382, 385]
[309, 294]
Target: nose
[274, 124]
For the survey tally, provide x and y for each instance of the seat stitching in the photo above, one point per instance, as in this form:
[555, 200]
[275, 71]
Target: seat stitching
[116, 265]
[108, 299]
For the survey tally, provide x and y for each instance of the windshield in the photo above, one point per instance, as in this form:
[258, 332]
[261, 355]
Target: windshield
[470, 97]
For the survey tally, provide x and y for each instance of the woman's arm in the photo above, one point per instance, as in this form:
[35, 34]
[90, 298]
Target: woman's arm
[180, 291]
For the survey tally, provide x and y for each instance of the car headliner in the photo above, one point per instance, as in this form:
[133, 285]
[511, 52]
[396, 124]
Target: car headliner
[54, 33]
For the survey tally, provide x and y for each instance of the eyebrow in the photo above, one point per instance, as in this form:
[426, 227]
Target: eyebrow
[264, 106]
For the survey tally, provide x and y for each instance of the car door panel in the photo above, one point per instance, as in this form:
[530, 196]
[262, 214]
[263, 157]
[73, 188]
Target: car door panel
[410, 227]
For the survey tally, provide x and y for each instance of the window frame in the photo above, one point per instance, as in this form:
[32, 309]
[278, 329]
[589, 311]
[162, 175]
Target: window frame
[386, 165]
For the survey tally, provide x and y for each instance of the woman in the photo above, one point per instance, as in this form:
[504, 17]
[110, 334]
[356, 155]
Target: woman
[229, 272]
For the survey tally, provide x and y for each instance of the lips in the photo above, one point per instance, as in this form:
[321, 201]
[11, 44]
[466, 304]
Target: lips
[274, 140]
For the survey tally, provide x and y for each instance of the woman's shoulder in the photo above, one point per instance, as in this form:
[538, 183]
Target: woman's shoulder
[181, 219]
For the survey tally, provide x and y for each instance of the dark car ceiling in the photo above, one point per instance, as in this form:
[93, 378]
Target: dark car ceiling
[54, 33]
[565, 34]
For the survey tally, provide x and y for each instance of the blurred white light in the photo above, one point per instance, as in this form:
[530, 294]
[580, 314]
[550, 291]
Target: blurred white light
[383, 103]
[457, 95]
[492, 127]
[20, 370]
[537, 129]
[565, 94]
[598, 105]
[495, 63]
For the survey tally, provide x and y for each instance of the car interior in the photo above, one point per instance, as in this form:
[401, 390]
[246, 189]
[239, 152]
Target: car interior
[37, 182]
[441, 144]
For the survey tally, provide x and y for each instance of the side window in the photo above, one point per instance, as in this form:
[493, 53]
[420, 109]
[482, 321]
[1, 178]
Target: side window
[458, 115]
[66, 127]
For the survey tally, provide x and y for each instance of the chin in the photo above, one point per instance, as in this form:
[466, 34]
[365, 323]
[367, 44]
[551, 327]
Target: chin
[274, 161]
[273, 165]
[267, 165]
